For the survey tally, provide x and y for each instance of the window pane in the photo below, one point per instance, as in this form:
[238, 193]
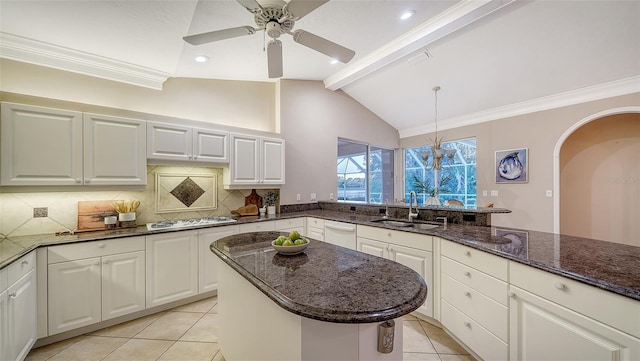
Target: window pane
[364, 174]
[456, 178]
[381, 175]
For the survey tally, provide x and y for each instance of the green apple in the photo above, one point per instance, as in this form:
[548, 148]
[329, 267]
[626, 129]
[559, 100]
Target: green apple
[278, 242]
[299, 241]
[288, 242]
[293, 235]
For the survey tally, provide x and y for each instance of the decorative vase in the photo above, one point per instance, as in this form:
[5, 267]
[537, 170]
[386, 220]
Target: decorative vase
[433, 201]
[271, 210]
[263, 211]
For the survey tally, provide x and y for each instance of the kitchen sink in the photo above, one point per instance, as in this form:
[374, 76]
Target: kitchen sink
[398, 223]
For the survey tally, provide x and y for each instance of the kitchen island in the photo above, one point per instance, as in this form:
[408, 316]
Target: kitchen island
[323, 304]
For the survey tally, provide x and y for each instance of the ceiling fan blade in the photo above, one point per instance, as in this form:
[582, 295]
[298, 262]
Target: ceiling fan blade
[249, 4]
[274, 58]
[219, 35]
[323, 45]
[299, 8]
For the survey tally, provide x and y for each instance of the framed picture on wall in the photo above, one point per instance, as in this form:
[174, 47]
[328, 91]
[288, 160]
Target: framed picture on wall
[512, 166]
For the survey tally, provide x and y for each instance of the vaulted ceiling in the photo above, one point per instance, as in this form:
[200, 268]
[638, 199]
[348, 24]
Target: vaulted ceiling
[492, 58]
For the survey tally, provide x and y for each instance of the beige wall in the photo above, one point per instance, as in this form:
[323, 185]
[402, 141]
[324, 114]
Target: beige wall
[600, 180]
[539, 132]
[311, 119]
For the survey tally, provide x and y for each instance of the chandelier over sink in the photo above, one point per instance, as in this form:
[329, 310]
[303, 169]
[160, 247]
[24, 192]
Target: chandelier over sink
[439, 154]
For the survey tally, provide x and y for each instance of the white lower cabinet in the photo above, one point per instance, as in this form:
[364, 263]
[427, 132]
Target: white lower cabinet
[207, 261]
[172, 267]
[258, 227]
[314, 228]
[291, 224]
[18, 317]
[555, 318]
[94, 281]
[411, 250]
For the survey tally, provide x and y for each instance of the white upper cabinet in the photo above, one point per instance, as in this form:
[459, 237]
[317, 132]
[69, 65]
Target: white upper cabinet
[45, 146]
[184, 143]
[40, 146]
[114, 150]
[255, 161]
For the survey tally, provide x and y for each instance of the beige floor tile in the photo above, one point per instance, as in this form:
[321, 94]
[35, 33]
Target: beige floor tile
[45, 352]
[129, 329]
[409, 317]
[416, 356]
[171, 326]
[90, 348]
[192, 351]
[201, 306]
[414, 338]
[139, 350]
[214, 309]
[444, 357]
[205, 330]
[442, 342]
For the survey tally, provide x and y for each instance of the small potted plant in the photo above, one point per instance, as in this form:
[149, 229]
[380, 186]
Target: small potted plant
[425, 187]
[270, 199]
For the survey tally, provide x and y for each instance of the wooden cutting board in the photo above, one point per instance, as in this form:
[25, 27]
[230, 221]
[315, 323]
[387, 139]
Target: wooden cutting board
[91, 214]
[253, 198]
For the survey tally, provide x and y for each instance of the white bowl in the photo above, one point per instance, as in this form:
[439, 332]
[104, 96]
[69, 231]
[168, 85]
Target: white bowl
[290, 250]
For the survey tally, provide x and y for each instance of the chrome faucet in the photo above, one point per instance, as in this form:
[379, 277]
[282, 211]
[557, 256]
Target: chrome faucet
[386, 210]
[413, 195]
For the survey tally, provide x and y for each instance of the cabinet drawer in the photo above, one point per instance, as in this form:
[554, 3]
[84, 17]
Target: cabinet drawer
[614, 310]
[289, 223]
[487, 312]
[81, 250]
[482, 261]
[476, 337]
[315, 222]
[481, 282]
[407, 239]
[258, 227]
[21, 267]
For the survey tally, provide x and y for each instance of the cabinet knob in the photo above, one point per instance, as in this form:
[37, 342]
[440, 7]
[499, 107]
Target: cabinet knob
[560, 286]
[13, 294]
[511, 294]
[101, 245]
[97, 263]
[467, 273]
[389, 234]
[105, 261]
[87, 180]
[78, 180]
[467, 293]
[467, 324]
[467, 253]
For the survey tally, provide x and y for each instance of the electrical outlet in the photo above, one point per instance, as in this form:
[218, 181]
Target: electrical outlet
[494, 193]
[549, 193]
[484, 193]
[331, 196]
[352, 208]
[41, 212]
[298, 197]
[312, 196]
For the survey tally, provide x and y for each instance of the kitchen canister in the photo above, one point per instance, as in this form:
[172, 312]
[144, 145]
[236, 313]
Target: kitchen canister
[110, 222]
[127, 220]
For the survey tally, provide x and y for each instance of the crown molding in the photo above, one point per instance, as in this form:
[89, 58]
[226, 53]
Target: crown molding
[53, 56]
[596, 92]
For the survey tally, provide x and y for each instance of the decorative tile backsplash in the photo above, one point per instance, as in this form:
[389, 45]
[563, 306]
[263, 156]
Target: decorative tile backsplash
[17, 217]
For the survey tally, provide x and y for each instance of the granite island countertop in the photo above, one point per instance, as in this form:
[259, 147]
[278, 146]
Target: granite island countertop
[326, 282]
[610, 266]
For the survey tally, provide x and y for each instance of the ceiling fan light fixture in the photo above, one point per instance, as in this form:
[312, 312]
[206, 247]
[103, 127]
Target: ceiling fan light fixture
[407, 14]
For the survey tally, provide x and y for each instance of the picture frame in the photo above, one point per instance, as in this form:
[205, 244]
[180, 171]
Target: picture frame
[519, 245]
[512, 165]
[185, 192]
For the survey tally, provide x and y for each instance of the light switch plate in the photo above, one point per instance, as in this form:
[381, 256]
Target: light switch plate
[549, 193]
[313, 196]
[484, 193]
[298, 198]
[494, 193]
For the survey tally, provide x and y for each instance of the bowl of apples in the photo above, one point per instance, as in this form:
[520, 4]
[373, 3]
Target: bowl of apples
[294, 244]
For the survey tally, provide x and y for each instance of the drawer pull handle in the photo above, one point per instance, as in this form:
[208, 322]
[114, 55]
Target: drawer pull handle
[105, 261]
[389, 234]
[511, 294]
[25, 262]
[13, 294]
[467, 273]
[467, 293]
[467, 253]
[467, 324]
[97, 263]
[560, 286]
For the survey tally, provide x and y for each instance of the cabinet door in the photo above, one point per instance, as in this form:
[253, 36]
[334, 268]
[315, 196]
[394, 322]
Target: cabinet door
[245, 159]
[421, 262]
[4, 321]
[74, 294]
[208, 272]
[40, 146]
[123, 284]
[169, 141]
[172, 267]
[22, 316]
[272, 160]
[210, 146]
[115, 150]
[543, 330]
[375, 248]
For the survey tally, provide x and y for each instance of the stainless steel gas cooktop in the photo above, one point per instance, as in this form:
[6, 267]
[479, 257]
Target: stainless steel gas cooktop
[185, 223]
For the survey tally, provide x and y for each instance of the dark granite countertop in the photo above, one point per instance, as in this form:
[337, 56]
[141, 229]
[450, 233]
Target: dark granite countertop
[326, 282]
[610, 266]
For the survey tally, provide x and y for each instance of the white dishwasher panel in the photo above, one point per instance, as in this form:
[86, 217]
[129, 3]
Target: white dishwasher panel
[340, 234]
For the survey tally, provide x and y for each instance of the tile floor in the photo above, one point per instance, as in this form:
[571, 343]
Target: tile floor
[189, 333]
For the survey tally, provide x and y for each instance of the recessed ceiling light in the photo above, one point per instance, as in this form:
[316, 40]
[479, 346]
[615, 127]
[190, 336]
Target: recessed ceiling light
[407, 14]
[333, 61]
[201, 58]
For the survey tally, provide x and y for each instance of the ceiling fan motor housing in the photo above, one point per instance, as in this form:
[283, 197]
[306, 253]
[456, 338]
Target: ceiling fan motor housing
[272, 19]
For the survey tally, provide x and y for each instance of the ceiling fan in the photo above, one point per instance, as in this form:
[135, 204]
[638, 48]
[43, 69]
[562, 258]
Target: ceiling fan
[277, 17]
